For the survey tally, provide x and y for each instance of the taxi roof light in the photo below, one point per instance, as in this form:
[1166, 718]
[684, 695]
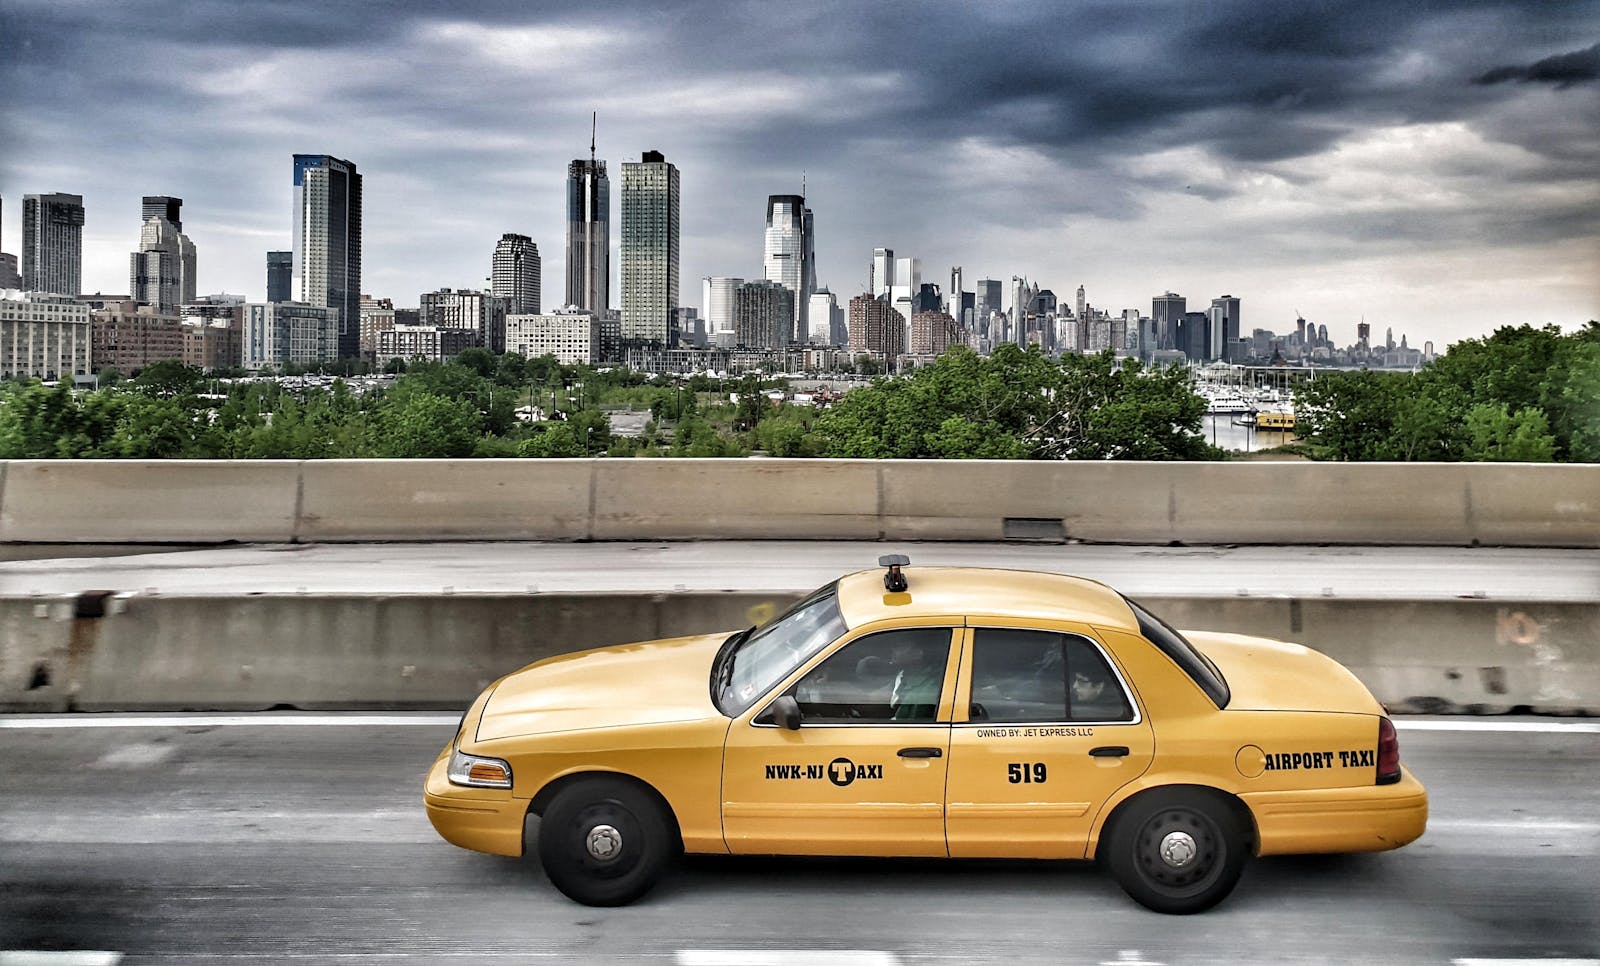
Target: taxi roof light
[893, 580]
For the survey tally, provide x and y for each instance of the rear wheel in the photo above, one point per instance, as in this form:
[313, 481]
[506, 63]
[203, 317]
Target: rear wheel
[605, 841]
[1177, 852]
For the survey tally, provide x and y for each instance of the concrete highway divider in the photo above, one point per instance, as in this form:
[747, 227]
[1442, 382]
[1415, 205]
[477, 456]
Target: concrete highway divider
[320, 651]
[179, 501]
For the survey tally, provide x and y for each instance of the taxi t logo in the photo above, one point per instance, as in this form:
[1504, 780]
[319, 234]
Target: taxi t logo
[841, 771]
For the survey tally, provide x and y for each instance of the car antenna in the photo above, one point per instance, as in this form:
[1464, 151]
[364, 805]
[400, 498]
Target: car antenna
[893, 580]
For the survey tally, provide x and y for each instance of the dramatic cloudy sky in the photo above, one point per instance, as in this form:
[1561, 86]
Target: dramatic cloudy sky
[1433, 166]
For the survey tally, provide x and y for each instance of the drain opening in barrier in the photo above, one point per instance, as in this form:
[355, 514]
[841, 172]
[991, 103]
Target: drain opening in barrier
[1036, 529]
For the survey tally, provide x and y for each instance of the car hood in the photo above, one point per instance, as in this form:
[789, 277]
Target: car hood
[655, 682]
[1268, 675]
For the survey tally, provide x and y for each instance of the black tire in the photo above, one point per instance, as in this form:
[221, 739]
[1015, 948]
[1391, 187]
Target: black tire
[588, 807]
[1206, 851]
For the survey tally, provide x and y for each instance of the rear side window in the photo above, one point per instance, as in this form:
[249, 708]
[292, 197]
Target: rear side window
[1042, 676]
[1185, 655]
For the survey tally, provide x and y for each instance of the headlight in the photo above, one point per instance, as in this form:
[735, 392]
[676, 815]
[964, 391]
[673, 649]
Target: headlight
[475, 771]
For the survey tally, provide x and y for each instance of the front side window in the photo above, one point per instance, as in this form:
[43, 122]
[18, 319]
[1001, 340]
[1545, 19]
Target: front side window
[894, 677]
[1042, 676]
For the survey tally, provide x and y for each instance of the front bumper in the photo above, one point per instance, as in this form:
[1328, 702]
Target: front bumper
[1365, 818]
[482, 819]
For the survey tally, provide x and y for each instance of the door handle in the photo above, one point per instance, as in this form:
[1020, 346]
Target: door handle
[1109, 751]
[921, 752]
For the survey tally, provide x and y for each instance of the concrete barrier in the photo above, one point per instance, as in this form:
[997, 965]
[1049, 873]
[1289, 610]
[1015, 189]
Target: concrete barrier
[148, 501]
[445, 500]
[1454, 504]
[973, 500]
[1555, 506]
[1443, 656]
[700, 499]
[437, 651]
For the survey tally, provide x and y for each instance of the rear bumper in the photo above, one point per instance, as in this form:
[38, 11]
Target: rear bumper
[481, 819]
[1367, 818]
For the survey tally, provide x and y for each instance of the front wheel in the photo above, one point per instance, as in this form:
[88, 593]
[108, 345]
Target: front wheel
[1177, 853]
[605, 841]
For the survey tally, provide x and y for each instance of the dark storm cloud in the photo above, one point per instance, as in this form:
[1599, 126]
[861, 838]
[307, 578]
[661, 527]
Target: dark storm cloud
[925, 119]
[1562, 70]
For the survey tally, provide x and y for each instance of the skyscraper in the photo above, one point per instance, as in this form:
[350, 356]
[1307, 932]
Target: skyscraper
[649, 249]
[161, 206]
[280, 276]
[826, 319]
[588, 234]
[932, 332]
[1224, 324]
[516, 274]
[327, 242]
[882, 272]
[1083, 304]
[720, 294]
[788, 254]
[986, 301]
[1023, 294]
[763, 313]
[1166, 311]
[52, 243]
[9, 276]
[161, 273]
[877, 328]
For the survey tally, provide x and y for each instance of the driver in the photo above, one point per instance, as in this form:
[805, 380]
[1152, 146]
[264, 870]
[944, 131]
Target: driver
[915, 692]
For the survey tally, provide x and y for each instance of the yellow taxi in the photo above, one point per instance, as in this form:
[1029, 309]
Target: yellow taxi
[932, 712]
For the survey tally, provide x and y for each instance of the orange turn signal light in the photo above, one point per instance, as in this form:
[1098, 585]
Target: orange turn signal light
[484, 772]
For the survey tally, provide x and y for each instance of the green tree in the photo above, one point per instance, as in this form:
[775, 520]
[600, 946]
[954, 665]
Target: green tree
[421, 424]
[694, 437]
[557, 439]
[787, 432]
[1105, 411]
[480, 361]
[1494, 433]
[168, 378]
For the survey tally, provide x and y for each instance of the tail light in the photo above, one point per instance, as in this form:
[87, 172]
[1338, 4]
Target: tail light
[1388, 753]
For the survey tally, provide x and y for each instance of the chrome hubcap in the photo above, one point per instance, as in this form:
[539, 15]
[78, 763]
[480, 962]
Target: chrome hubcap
[604, 842]
[1178, 849]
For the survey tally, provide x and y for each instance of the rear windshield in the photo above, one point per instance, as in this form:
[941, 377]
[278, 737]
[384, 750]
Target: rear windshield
[1185, 655]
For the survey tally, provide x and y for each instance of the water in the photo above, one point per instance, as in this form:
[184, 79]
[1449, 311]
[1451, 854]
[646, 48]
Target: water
[1220, 431]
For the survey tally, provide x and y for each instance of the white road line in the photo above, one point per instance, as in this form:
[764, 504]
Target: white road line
[1509, 825]
[1508, 727]
[1525, 962]
[264, 720]
[786, 957]
[76, 957]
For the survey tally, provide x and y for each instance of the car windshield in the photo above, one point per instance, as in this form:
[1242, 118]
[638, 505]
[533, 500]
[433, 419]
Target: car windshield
[753, 661]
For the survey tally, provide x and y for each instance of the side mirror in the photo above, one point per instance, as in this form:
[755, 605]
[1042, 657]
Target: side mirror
[786, 712]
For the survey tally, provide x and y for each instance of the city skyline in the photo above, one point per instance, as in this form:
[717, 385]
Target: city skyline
[1430, 170]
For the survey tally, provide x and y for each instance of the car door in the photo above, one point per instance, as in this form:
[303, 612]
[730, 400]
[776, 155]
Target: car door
[1045, 730]
[864, 774]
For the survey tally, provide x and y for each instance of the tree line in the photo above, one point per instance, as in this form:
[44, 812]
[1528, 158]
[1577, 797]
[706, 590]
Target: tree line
[1519, 394]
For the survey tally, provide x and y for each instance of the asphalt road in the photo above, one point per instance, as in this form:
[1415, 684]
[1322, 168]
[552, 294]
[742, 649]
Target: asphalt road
[1410, 573]
[204, 841]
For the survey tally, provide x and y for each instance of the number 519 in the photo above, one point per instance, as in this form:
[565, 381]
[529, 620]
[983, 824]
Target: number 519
[1025, 773]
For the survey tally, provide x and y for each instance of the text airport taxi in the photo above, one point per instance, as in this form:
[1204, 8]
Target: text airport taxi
[968, 713]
